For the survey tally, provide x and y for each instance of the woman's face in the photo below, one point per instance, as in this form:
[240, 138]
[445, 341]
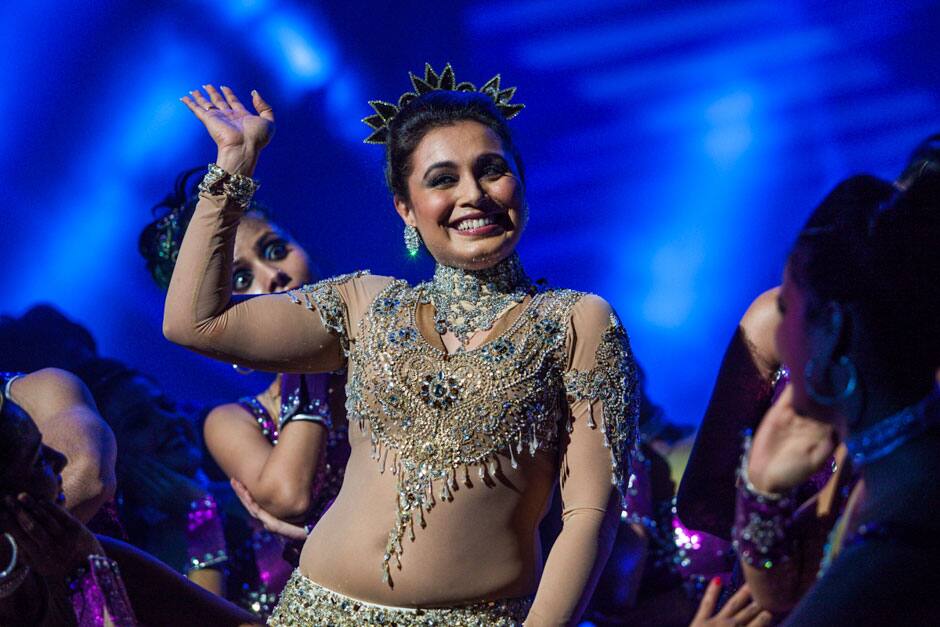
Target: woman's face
[466, 199]
[148, 424]
[35, 467]
[266, 259]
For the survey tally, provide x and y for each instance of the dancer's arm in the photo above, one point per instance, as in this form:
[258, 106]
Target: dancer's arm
[742, 393]
[267, 332]
[66, 416]
[787, 449]
[278, 477]
[601, 385]
[161, 596]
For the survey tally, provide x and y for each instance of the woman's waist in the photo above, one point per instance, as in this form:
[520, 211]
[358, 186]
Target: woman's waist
[446, 564]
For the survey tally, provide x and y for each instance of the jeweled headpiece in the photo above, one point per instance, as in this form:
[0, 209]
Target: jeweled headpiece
[385, 112]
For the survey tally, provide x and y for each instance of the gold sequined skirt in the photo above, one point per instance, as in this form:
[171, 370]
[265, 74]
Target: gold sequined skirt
[304, 603]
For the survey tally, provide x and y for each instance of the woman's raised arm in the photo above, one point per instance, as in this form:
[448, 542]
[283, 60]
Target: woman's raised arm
[268, 332]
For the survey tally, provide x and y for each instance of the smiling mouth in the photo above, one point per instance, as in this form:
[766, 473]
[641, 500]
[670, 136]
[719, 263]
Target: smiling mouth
[483, 225]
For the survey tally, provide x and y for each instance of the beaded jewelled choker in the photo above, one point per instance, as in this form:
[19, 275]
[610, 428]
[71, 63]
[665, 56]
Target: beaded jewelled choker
[467, 301]
[886, 435]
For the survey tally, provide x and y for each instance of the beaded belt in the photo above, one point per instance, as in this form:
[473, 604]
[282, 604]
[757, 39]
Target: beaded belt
[304, 602]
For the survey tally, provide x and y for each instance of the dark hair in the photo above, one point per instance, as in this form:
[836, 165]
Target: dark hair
[432, 110]
[13, 425]
[103, 376]
[878, 248]
[159, 242]
[43, 338]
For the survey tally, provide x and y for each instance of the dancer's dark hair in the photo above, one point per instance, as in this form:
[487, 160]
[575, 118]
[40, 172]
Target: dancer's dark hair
[14, 422]
[877, 248]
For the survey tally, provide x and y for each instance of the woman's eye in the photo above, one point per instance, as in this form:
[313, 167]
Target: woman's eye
[276, 250]
[494, 170]
[241, 280]
[444, 179]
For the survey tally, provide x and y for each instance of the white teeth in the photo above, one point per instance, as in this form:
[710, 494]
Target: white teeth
[477, 223]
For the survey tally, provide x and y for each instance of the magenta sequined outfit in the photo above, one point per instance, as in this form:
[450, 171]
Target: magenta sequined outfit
[301, 394]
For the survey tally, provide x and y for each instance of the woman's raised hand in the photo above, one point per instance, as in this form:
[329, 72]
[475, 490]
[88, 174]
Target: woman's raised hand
[787, 448]
[238, 133]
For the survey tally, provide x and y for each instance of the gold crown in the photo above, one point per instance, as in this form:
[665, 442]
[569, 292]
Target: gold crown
[385, 112]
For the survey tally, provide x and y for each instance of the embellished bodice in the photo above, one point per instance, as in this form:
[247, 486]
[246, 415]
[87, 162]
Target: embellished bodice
[441, 411]
[435, 417]
[432, 415]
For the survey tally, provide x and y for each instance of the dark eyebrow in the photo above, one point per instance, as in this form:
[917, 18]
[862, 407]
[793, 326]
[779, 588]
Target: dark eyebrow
[439, 164]
[492, 155]
[263, 239]
[258, 245]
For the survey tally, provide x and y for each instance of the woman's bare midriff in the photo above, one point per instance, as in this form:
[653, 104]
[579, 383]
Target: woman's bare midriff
[481, 545]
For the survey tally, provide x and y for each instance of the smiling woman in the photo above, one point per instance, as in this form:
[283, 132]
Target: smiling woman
[469, 395]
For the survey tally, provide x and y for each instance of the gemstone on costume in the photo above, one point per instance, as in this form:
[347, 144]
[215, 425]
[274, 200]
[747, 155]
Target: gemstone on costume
[439, 391]
[498, 350]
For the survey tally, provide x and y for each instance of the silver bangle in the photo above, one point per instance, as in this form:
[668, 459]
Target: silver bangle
[320, 420]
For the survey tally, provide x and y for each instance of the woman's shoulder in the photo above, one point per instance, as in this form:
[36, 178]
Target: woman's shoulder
[584, 309]
[357, 279]
[224, 416]
[759, 324]
[355, 289]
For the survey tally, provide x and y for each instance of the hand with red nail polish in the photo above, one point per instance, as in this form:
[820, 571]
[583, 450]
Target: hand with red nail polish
[739, 610]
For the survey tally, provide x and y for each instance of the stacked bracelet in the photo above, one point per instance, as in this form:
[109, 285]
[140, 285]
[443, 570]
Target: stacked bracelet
[97, 594]
[238, 187]
[761, 521]
[303, 401]
[205, 538]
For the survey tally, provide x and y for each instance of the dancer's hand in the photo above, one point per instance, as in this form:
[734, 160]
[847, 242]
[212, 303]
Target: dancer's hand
[51, 541]
[739, 610]
[272, 524]
[787, 448]
[239, 134]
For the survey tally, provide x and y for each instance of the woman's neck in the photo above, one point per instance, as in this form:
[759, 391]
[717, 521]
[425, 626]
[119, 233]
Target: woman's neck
[270, 398]
[902, 486]
[468, 301]
[897, 458]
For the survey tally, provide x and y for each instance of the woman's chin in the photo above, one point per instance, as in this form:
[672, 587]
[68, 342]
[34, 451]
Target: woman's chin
[477, 254]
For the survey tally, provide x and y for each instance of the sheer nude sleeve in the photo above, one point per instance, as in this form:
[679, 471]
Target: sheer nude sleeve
[601, 388]
[267, 332]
